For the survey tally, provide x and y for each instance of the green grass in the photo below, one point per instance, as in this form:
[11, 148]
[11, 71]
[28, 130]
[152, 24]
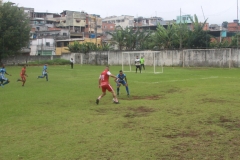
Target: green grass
[184, 113]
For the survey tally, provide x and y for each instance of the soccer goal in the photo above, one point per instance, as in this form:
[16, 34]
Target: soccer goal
[153, 61]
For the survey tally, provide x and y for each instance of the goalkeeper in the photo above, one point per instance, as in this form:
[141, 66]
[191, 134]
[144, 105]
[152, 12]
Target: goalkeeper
[122, 79]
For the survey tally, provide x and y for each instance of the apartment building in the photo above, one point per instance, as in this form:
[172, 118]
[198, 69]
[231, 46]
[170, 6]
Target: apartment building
[108, 27]
[233, 26]
[152, 21]
[73, 20]
[123, 21]
[93, 26]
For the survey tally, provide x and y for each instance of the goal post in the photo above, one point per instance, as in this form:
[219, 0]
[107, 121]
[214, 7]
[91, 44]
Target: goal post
[153, 61]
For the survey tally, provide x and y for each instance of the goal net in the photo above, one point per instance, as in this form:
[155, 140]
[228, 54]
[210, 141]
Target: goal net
[152, 61]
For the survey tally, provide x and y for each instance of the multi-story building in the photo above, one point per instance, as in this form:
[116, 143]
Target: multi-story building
[93, 26]
[184, 19]
[123, 21]
[108, 27]
[74, 21]
[233, 26]
[153, 21]
[44, 42]
[28, 11]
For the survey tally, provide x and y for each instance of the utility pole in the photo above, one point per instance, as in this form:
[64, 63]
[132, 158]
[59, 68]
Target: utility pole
[96, 29]
[237, 23]
[180, 29]
[204, 26]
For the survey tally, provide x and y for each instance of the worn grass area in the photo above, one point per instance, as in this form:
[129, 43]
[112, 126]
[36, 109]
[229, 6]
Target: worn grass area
[184, 113]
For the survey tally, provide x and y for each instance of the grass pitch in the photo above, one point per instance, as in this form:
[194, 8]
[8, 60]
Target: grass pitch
[184, 113]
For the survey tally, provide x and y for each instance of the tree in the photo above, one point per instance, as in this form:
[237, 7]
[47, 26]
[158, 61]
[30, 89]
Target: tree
[182, 34]
[223, 44]
[87, 47]
[14, 30]
[165, 38]
[225, 24]
[118, 37]
[198, 38]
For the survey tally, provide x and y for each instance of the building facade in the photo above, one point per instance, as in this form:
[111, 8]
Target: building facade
[73, 20]
[152, 21]
[123, 21]
[184, 19]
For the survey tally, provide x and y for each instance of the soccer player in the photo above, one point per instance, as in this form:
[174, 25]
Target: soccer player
[22, 75]
[138, 64]
[142, 62]
[44, 73]
[103, 83]
[71, 62]
[122, 79]
[2, 76]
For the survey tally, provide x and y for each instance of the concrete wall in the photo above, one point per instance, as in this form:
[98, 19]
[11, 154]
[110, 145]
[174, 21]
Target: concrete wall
[16, 60]
[182, 58]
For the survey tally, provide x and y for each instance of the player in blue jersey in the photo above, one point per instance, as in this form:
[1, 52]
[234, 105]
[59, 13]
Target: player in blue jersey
[122, 79]
[3, 79]
[44, 72]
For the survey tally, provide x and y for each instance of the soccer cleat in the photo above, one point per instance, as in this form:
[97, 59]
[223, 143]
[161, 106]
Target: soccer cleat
[128, 95]
[116, 102]
[97, 101]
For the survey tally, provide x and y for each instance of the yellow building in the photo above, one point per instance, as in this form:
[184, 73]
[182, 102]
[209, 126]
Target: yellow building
[62, 45]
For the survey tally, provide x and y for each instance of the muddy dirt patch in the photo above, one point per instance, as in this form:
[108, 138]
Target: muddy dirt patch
[138, 112]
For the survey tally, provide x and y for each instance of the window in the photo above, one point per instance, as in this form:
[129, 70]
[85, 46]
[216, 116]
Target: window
[59, 44]
[48, 44]
[65, 44]
[64, 34]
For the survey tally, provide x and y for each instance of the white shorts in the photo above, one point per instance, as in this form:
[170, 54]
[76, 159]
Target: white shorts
[3, 79]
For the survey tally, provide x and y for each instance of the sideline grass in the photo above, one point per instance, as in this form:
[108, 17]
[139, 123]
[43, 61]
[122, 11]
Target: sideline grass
[184, 113]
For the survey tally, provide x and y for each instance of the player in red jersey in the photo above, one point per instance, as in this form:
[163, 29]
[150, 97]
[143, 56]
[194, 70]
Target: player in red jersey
[22, 75]
[104, 84]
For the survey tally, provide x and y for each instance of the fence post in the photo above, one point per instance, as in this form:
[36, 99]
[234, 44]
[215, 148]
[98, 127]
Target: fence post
[183, 56]
[230, 58]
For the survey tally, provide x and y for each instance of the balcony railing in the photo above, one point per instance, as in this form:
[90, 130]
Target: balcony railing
[44, 47]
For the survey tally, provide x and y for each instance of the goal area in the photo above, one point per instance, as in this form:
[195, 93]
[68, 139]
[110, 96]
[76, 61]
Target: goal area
[152, 61]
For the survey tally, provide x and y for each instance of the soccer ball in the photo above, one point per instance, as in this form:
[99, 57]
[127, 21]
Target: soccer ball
[113, 100]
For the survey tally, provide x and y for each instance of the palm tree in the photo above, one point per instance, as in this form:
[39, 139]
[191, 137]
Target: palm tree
[118, 37]
[165, 37]
[198, 38]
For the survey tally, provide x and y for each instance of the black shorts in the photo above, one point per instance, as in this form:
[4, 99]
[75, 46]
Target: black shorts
[138, 67]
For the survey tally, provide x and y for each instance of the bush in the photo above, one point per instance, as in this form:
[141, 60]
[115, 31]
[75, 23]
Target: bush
[50, 62]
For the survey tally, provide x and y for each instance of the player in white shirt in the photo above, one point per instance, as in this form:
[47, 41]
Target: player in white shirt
[138, 64]
[71, 62]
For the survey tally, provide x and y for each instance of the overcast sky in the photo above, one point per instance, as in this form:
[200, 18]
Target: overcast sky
[216, 11]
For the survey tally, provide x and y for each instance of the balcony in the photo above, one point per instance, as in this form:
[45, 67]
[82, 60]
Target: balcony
[76, 34]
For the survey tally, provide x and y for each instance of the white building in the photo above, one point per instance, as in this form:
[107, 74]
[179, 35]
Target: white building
[43, 46]
[123, 21]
